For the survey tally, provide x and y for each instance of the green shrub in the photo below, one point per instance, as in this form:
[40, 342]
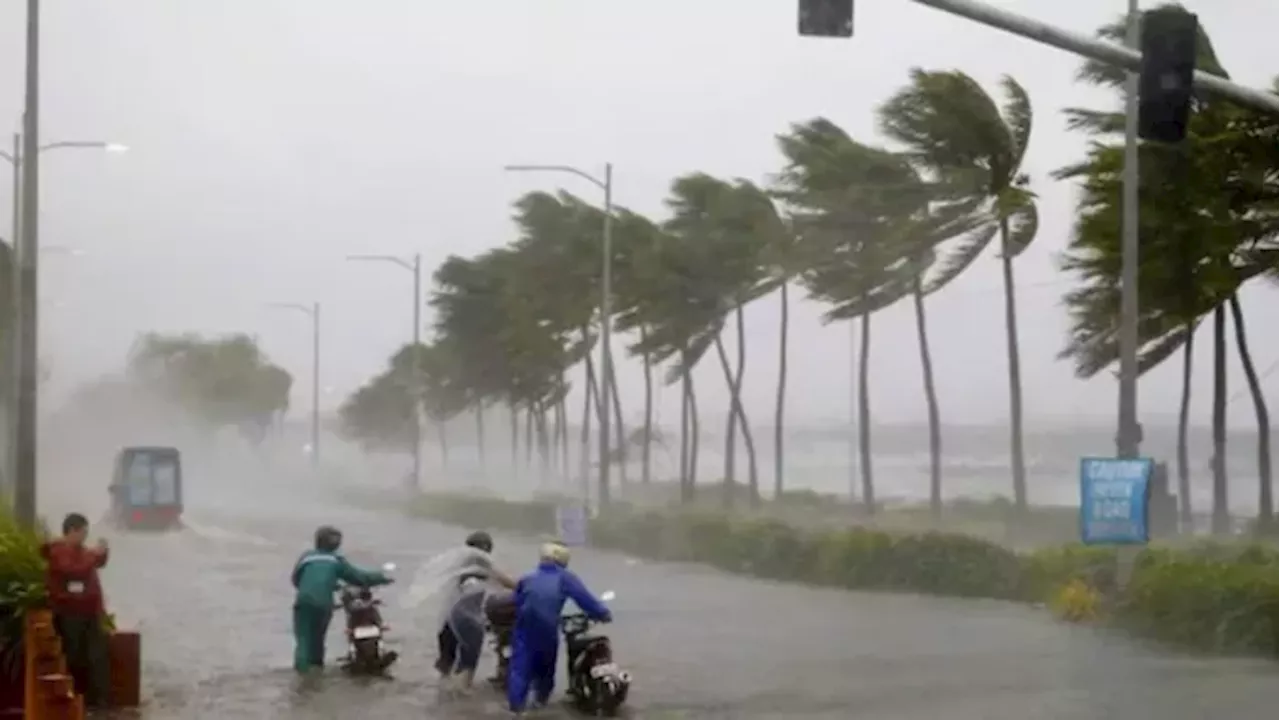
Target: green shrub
[21, 586]
[1206, 602]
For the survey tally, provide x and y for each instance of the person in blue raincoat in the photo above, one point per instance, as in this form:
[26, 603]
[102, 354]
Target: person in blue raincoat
[535, 641]
[315, 577]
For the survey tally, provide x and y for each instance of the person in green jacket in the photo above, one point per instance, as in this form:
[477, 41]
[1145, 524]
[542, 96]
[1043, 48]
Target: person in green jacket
[316, 576]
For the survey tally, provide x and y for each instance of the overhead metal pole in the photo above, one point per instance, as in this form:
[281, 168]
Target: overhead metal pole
[1128, 58]
[1128, 437]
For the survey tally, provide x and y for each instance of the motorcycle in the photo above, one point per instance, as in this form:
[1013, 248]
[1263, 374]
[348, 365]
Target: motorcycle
[500, 619]
[596, 684]
[367, 653]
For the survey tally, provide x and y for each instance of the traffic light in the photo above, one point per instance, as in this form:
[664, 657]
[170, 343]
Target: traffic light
[826, 18]
[1168, 62]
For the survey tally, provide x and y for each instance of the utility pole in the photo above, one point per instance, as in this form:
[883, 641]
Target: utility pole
[414, 266]
[1128, 436]
[417, 370]
[606, 313]
[315, 384]
[25, 460]
[312, 311]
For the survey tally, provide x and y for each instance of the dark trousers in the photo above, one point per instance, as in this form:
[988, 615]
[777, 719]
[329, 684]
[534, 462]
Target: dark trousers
[84, 643]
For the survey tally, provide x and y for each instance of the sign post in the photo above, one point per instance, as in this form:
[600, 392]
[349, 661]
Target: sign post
[571, 524]
[1114, 507]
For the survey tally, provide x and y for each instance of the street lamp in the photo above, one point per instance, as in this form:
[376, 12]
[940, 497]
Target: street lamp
[14, 157]
[606, 304]
[414, 266]
[25, 247]
[312, 311]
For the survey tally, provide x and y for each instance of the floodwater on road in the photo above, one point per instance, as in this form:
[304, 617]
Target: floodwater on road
[213, 604]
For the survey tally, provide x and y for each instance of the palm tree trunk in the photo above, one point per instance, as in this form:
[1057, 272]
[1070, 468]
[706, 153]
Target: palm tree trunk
[528, 435]
[1266, 503]
[748, 440]
[619, 430]
[442, 433]
[589, 403]
[557, 429]
[931, 405]
[646, 452]
[864, 416]
[544, 444]
[515, 440]
[480, 434]
[1221, 519]
[1184, 421]
[695, 438]
[686, 486]
[1017, 454]
[562, 415]
[731, 430]
[780, 407]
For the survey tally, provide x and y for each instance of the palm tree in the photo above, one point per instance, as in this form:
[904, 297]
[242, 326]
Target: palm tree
[844, 198]
[678, 308]
[1208, 224]
[831, 179]
[782, 266]
[964, 140]
[727, 222]
[639, 241]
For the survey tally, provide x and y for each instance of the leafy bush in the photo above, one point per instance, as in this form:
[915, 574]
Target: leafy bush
[21, 586]
[1222, 604]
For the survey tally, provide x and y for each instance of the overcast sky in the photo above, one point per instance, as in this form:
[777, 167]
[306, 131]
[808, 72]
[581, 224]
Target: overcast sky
[269, 138]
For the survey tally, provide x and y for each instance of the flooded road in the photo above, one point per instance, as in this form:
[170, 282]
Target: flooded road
[213, 605]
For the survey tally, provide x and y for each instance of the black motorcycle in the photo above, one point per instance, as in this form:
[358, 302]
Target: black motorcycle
[367, 653]
[500, 619]
[596, 684]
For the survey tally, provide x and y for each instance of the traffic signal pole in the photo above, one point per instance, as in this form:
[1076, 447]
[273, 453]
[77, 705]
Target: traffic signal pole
[1118, 55]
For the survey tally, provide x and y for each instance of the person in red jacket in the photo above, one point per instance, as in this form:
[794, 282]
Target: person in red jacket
[75, 596]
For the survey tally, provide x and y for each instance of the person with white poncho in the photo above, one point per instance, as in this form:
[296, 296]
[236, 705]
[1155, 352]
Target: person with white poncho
[462, 624]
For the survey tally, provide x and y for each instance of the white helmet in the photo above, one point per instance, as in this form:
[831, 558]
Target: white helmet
[556, 552]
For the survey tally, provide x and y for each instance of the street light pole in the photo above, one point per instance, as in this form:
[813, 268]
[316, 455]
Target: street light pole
[606, 307]
[19, 295]
[313, 312]
[1128, 437]
[24, 493]
[414, 266]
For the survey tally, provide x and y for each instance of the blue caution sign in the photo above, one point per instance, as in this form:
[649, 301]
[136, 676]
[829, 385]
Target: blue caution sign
[1113, 500]
[571, 525]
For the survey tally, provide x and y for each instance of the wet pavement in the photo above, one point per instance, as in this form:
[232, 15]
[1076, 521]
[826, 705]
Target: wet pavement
[213, 602]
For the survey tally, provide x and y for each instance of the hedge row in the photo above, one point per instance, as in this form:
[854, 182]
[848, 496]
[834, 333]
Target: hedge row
[1216, 598]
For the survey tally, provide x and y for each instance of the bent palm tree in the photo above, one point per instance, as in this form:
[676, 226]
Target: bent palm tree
[964, 140]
